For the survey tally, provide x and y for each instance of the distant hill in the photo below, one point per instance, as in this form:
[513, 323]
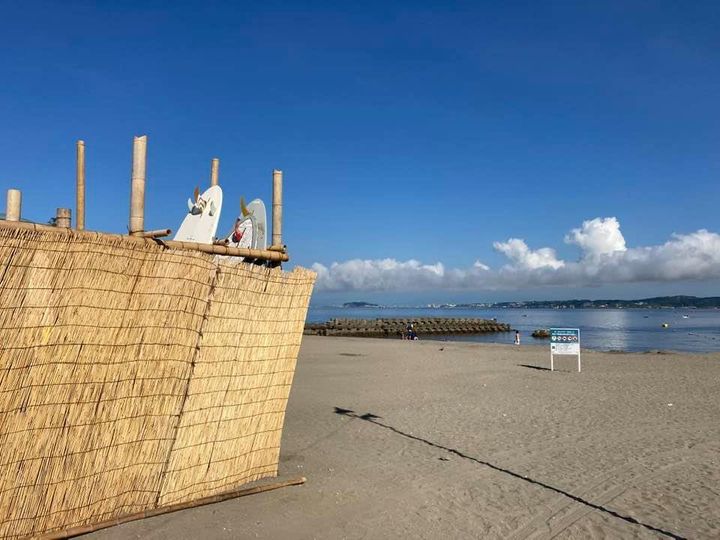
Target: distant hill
[657, 302]
[648, 303]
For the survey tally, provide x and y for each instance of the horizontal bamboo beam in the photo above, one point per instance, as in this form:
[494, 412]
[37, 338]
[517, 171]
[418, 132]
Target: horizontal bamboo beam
[172, 244]
[86, 529]
[282, 249]
[232, 251]
[157, 233]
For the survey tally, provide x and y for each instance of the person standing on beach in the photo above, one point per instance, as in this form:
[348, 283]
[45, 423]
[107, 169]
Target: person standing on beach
[411, 332]
[517, 337]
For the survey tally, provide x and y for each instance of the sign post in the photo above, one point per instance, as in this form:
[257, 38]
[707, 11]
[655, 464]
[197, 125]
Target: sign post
[564, 341]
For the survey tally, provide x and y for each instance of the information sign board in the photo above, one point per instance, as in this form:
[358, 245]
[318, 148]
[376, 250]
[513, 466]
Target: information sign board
[564, 341]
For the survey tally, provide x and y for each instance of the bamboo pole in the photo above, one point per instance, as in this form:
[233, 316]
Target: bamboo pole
[157, 233]
[63, 218]
[85, 529]
[277, 213]
[264, 254]
[137, 187]
[13, 205]
[80, 187]
[215, 172]
[277, 208]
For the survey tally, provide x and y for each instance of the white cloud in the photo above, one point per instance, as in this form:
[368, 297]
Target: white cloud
[481, 266]
[379, 274]
[605, 259]
[519, 253]
[598, 236]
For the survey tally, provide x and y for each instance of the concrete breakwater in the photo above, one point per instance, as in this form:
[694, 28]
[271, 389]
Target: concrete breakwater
[396, 327]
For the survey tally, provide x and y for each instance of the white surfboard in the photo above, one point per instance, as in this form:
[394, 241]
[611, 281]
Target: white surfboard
[242, 234]
[257, 210]
[250, 226]
[201, 222]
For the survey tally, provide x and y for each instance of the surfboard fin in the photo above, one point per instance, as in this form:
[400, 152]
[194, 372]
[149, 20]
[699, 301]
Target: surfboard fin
[192, 203]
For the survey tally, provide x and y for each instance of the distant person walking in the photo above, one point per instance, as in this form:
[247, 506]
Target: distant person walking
[517, 337]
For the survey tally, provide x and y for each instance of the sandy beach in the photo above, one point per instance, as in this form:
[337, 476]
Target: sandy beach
[435, 439]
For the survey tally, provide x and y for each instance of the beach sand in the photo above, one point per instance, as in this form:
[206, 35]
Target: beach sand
[433, 439]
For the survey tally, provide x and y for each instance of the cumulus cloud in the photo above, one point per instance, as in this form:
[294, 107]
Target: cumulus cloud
[605, 258]
[481, 266]
[598, 237]
[522, 256]
[379, 274]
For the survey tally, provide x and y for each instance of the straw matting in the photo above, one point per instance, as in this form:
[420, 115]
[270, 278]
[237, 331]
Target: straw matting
[133, 376]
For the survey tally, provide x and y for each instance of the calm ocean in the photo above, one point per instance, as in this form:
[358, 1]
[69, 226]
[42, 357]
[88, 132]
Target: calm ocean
[692, 330]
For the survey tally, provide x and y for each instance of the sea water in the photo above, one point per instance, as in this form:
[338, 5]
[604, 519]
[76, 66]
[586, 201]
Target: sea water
[691, 330]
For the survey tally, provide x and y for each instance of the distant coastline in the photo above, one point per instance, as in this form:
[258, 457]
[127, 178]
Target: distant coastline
[658, 302]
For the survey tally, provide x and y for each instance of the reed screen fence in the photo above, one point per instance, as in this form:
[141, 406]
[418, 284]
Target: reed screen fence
[133, 376]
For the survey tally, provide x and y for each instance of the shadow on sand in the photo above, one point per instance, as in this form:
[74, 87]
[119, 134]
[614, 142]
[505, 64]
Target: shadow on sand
[374, 419]
[535, 367]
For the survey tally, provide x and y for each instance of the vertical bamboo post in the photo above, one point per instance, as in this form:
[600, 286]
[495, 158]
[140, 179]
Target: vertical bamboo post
[277, 208]
[214, 172]
[80, 187]
[14, 204]
[63, 218]
[137, 187]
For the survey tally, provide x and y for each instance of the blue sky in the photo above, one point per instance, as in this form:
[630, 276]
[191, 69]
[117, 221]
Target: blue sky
[406, 130]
